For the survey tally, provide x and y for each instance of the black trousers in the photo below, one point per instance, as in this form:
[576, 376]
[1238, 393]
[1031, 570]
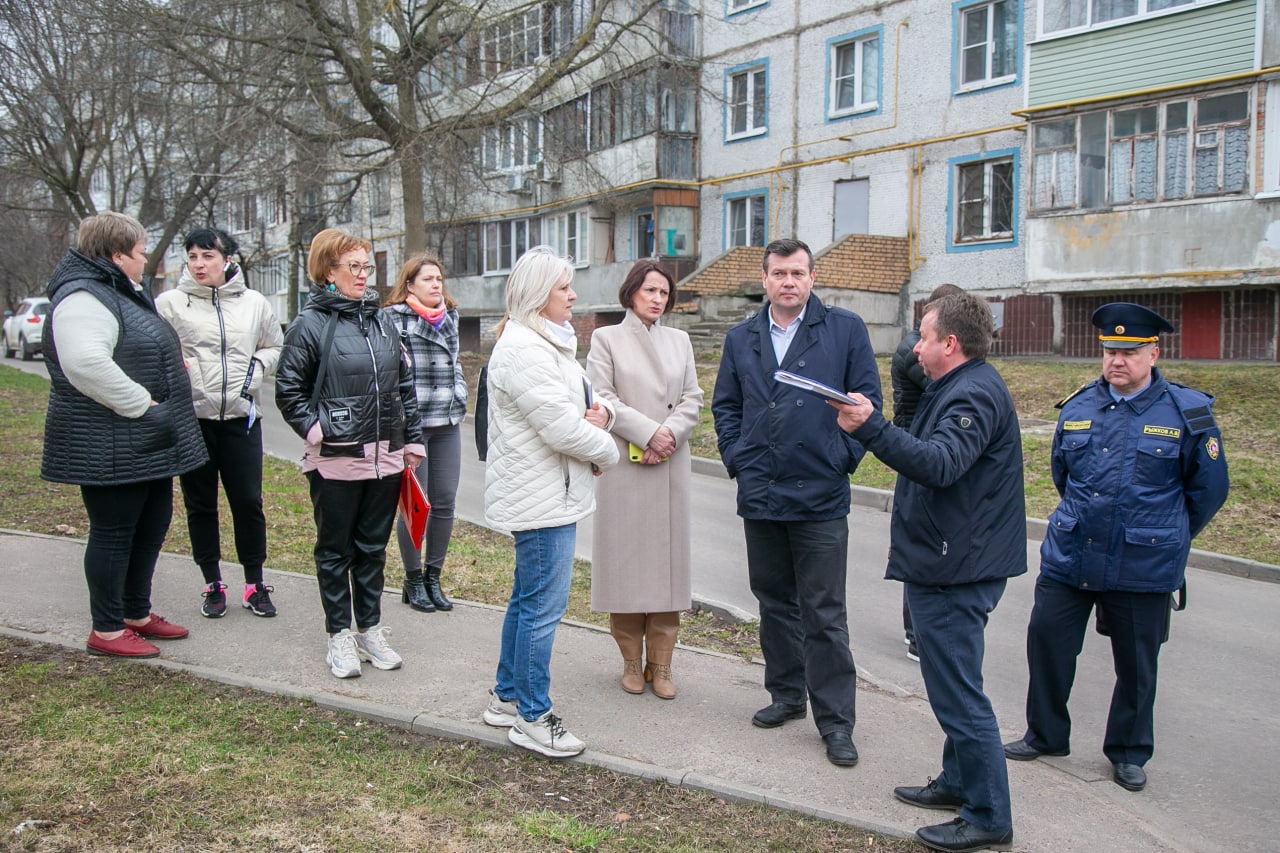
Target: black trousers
[235, 457]
[798, 571]
[1055, 637]
[127, 526]
[353, 524]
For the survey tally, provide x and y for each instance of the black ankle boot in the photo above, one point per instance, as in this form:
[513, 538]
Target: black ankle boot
[438, 598]
[415, 593]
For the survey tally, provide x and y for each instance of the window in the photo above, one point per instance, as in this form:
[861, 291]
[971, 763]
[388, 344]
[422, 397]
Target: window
[745, 220]
[984, 197]
[853, 83]
[379, 194]
[1271, 156]
[514, 145]
[732, 7]
[1057, 16]
[506, 241]
[272, 275]
[275, 206]
[567, 234]
[602, 132]
[566, 127]
[1174, 149]
[988, 41]
[241, 213]
[463, 252]
[747, 96]
[511, 43]
[564, 21]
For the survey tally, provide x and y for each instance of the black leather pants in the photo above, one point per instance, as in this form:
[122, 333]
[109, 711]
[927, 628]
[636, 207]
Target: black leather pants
[353, 524]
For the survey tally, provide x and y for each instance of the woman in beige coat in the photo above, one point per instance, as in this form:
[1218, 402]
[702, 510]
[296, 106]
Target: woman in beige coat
[640, 563]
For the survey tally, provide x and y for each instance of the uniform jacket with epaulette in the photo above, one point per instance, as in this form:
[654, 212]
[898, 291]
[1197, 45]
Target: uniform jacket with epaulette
[1138, 479]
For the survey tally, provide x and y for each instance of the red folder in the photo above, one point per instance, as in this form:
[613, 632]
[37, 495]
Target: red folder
[414, 506]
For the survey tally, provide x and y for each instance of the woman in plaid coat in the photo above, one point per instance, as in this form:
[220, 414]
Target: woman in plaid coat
[421, 310]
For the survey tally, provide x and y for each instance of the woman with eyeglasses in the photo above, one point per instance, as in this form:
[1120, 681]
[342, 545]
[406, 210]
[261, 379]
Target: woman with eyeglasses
[420, 309]
[345, 385]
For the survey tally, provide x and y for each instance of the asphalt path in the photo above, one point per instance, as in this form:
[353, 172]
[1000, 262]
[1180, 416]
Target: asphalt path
[1215, 718]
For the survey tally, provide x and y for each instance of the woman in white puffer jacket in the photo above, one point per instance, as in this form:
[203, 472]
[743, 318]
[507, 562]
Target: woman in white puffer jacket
[231, 342]
[547, 441]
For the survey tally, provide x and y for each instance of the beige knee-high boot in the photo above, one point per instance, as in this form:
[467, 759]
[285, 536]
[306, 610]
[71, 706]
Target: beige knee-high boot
[660, 643]
[628, 633]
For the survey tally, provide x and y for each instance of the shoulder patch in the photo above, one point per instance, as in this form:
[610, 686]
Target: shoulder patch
[1213, 447]
[1064, 400]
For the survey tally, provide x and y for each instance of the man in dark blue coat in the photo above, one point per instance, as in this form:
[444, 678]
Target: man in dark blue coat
[1140, 466]
[792, 467]
[957, 534]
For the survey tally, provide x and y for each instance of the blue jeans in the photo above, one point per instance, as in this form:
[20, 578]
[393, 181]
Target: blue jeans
[539, 598]
[950, 624]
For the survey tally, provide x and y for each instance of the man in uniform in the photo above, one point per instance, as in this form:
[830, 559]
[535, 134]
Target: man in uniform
[1140, 466]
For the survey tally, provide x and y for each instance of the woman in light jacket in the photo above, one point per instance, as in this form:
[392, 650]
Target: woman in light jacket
[423, 313]
[547, 442]
[346, 387]
[231, 341]
[640, 573]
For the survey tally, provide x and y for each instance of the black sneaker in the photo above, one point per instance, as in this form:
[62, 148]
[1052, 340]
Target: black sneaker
[257, 599]
[215, 600]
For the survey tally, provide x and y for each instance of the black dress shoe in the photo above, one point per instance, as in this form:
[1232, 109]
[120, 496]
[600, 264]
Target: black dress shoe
[840, 749]
[960, 836]
[929, 796]
[1020, 750]
[777, 714]
[1131, 777]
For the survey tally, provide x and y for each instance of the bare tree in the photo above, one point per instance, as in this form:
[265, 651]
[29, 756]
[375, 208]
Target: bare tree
[377, 84]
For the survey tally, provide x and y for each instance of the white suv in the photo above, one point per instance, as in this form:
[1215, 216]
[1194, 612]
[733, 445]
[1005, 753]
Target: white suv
[24, 329]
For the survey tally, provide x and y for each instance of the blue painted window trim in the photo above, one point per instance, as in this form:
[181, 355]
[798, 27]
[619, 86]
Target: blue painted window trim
[730, 12]
[953, 174]
[763, 194]
[729, 73]
[830, 48]
[957, 87]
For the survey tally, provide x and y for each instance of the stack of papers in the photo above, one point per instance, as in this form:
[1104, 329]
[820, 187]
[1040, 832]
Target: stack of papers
[812, 386]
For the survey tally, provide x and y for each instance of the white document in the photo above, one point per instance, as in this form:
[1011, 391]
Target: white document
[814, 387]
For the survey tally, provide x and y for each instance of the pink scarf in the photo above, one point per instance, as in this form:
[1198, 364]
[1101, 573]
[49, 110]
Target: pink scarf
[434, 316]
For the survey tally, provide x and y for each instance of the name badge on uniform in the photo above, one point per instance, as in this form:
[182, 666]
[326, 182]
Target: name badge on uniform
[1166, 432]
[1070, 425]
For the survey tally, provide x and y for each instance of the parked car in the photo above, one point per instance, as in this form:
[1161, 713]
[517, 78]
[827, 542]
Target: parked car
[24, 329]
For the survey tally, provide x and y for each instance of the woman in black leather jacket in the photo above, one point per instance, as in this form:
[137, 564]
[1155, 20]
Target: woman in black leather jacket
[345, 385]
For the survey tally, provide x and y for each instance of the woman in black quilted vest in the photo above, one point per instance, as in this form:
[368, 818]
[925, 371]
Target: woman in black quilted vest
[120, 425]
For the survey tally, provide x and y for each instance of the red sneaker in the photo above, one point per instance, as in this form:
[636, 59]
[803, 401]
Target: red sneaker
[160, 628]
[127, 645]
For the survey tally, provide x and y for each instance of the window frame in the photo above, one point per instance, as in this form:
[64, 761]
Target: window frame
[1176, 141]
[761, 196]
[556, 230]
[749, 71]
[957, 166]
[1144, 12]
[497, 258]
[1270, 170]
[737, 7]
[960, 12]
[858, 40]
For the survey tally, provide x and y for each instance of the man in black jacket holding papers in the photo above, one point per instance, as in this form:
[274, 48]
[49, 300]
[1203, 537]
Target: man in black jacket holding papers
[958, 533]
[792, 467]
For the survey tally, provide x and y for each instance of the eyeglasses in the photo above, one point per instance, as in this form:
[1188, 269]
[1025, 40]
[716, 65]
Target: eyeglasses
[356, 269]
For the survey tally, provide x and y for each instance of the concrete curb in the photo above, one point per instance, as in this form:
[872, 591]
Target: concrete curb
[882, 501]
[434, 725]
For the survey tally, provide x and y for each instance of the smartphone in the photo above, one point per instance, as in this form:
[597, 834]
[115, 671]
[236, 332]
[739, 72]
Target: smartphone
[634, 452]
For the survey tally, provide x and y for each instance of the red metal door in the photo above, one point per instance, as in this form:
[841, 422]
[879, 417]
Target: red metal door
[1201, 331]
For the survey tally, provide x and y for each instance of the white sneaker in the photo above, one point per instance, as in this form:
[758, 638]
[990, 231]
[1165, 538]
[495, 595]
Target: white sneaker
[342, 658]
[500, 713]
[545, 735]
[372, 646]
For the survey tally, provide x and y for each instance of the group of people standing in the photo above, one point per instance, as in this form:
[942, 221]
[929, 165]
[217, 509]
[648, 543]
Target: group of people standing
[144, 390]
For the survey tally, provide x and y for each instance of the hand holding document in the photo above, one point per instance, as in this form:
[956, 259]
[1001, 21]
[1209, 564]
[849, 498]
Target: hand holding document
[812, 386]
